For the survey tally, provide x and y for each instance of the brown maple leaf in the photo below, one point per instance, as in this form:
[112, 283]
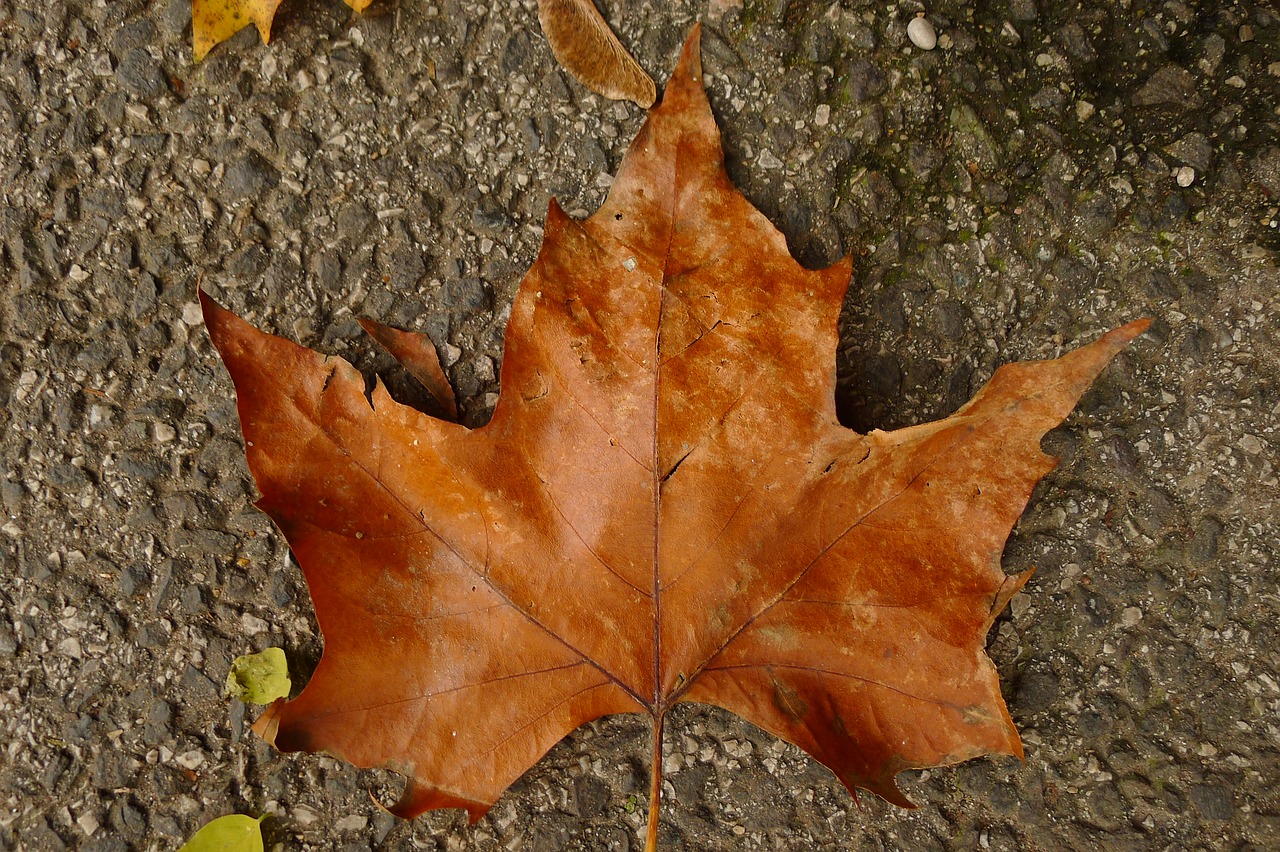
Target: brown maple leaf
[663, 508]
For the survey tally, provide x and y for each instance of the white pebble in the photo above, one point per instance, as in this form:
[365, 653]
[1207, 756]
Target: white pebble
[1186, 176]
[304, 816]
[354, 822]
[921, 33]
[88, 823]
[768, 160]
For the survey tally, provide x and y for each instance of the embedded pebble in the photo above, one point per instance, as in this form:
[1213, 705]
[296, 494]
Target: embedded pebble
[88, 823]
[354, 822]
[921, 33]
[449, 354]
[768, 160]
[1185, 176]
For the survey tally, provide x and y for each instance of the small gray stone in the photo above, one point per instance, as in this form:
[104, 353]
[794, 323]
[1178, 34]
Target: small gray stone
[176, 15]
[249, 262]
[249, 175]
[199, 686]
[135, 34]
[1213, 48]
[43, 837]
[862, 39]
[1204, 544]
[142, 465]
[158, 727]
[588, 797]
[1097, 214]
[353, 221]
[146, 294]
[141, 74]
[463, 295]
[1023, 10]
[1036, 692]
[1265, 169]
[1049, 99]
[127, 820]
[111, 769]
[1172, 85]
[518, 55]
[193, 599]
[531, 136]
[1214, 801]
[1194, 150]
[1075, 42]
[864, 80]
[972, 140]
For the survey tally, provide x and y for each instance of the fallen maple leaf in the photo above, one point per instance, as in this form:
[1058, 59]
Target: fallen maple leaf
[582, 42]
[215, 21]
[663, 508]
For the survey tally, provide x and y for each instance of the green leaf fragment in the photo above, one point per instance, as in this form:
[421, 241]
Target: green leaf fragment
[233, 833]
[259, 678]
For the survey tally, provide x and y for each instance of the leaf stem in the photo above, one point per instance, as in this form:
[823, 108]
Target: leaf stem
[655, 786]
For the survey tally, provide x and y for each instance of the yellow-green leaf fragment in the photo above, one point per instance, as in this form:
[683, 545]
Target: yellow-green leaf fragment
[259, 678]
[232, 833]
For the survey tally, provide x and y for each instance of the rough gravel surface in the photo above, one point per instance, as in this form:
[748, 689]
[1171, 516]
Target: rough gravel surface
[1047, 171]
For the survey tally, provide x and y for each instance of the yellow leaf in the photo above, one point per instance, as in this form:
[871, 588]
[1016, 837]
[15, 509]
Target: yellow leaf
[215, 21]
[233, 833]
[259, 678]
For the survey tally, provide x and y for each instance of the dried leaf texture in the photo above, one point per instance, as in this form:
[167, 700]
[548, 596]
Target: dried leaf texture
[418, 355]
[583, 43]
[663, 508]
